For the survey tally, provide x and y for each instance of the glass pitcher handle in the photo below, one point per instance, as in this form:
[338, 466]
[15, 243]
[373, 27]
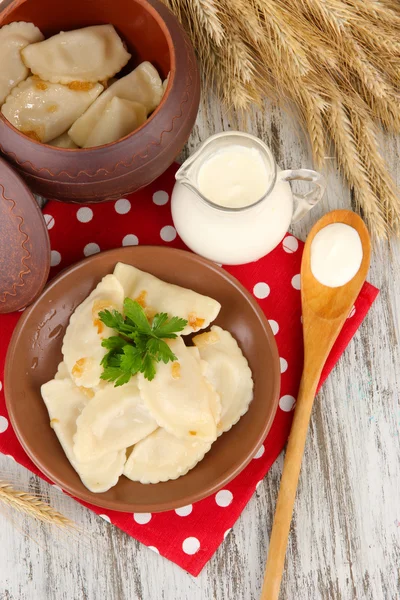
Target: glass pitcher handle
[304, 202]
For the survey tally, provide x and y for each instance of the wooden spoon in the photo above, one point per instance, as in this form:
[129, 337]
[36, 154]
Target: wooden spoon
[324, 312]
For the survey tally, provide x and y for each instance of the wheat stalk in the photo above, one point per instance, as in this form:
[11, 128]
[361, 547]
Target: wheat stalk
[338, 61]
[31, 505]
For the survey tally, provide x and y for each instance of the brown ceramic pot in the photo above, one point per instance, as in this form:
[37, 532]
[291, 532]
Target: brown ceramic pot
[92, 175]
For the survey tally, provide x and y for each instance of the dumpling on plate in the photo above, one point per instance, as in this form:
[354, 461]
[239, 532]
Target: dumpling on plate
[82, 349]
[179, 398]
[142, 85]
[64, 402]
[114, 419]
[119, 118]
[63, 141]
[91, 54]
[162, 456]
[62, 371]
[155, 295]
[215, 404]
[13, 38]
[229, 373]
[44, 110]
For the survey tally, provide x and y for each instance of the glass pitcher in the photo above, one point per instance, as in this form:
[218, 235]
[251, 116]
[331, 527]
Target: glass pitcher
[243, 234]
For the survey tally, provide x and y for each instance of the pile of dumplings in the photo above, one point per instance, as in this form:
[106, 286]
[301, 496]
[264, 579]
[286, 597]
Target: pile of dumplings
[149, 431]
[61, 91]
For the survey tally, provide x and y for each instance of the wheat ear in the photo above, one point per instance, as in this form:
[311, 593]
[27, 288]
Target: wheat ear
[31, 506]
[347, 151]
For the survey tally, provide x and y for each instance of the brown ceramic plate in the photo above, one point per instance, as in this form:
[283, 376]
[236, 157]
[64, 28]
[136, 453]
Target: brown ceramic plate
[35, 352]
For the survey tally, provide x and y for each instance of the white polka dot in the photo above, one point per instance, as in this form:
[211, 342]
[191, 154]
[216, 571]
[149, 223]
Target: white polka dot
[184, 511]
[106, 518]
[130, 240]
[57, 487]
[84, 214]
[274, 326]
[258, 484]
[227, 532]
[284, 364]
[290, 244]
[260, 452]
[286, 403]
[91, 248]
[160, 198]
[55, 258]
[352, 312]
[156, 550]
[261, 290]
[190, 545]
[49, 219]
[296, 282]
[1, 386]
[122, 206]
[142, 518]
[168, 233]
[223, 498]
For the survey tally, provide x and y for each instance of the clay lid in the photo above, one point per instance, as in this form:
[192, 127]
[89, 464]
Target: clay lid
[24, 243]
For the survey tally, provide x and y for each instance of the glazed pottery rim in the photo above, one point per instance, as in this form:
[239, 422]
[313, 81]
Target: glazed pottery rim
[210, 488]
[171, 79]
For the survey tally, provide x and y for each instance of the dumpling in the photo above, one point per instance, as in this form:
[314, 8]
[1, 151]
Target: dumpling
[115, 419]
[179, 398]
[44, 110]
[90, 54]
[165, 83]
[82, 349]
[13, 38]
[228, 372]
[64, 402]
[63, 141]
[62, 371]
[156, 295]
[142, 85]
[119, 118]
[162, 456]
[215, 401]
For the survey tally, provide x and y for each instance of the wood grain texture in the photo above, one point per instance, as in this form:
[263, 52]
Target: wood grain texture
[345, 535]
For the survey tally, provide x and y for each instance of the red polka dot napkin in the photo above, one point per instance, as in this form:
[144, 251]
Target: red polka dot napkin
[184, 535]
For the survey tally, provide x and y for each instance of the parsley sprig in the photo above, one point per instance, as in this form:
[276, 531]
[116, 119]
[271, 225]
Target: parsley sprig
[139, 344]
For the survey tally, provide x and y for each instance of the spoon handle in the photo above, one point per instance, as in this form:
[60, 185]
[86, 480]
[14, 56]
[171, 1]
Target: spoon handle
[288, 486]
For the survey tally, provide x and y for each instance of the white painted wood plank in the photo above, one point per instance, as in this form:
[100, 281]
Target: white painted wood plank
[345, 542]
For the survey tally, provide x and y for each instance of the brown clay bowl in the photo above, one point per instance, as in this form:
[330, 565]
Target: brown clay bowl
[151, 33]
[35, 352]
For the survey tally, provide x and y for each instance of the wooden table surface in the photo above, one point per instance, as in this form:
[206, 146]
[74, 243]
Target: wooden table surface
[345, 539]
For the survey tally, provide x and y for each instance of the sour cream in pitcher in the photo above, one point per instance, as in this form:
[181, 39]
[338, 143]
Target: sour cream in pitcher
[234, 177]
[231, 203]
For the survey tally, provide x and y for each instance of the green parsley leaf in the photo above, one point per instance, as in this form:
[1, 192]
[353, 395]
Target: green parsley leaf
[131, 360]
[124, 378]
[163, 328]
[110, 373]
[113, 343]
[159, 320]
[148, 368]
[160, 350]
[112, 319]
[136, 314]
